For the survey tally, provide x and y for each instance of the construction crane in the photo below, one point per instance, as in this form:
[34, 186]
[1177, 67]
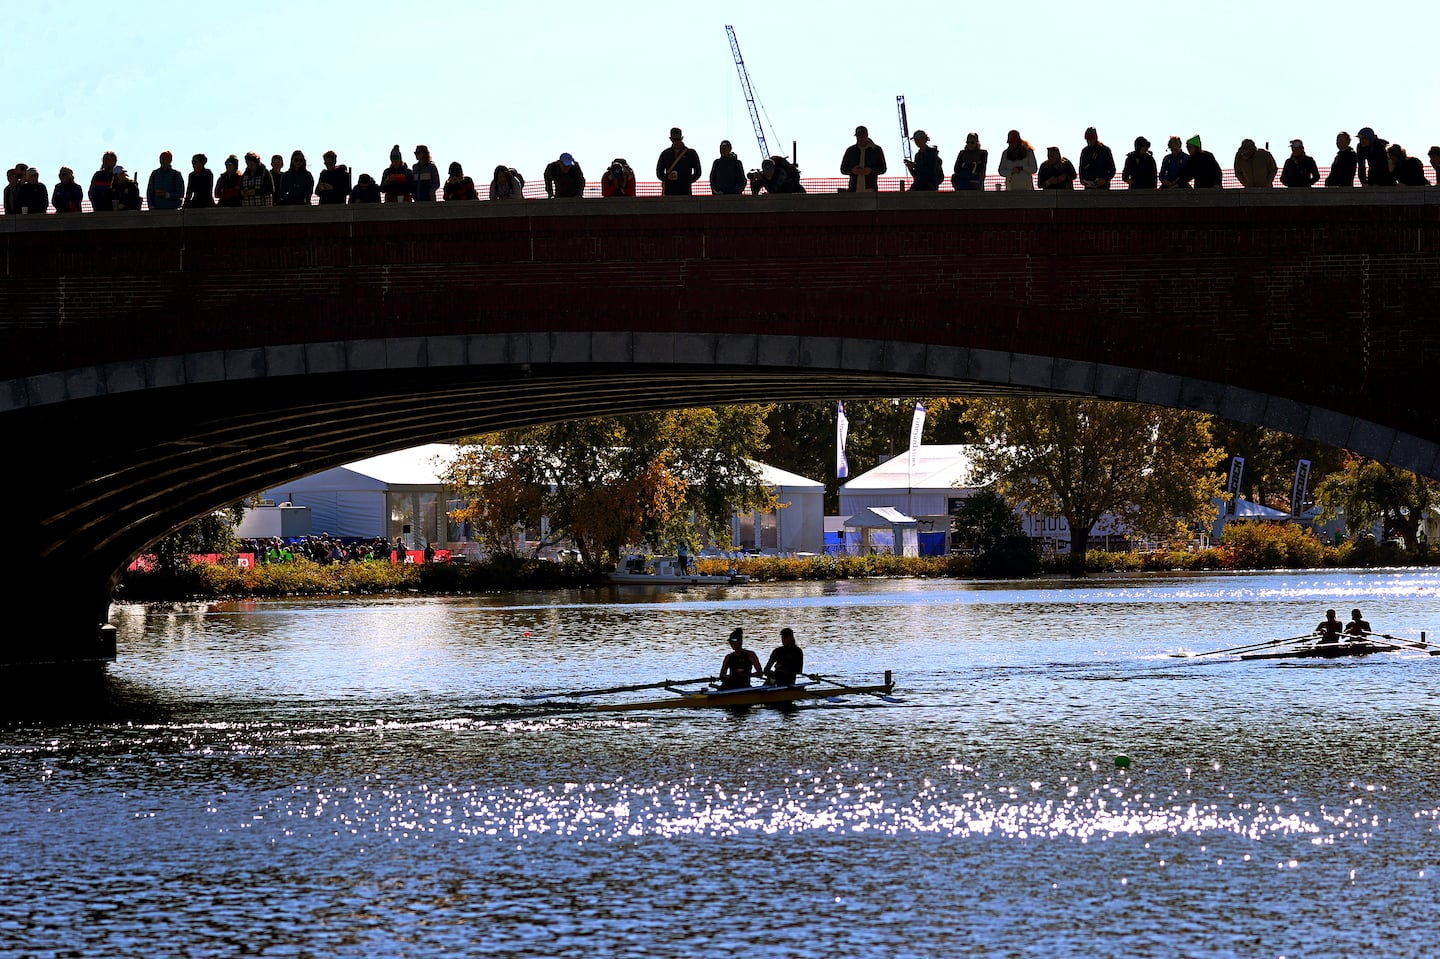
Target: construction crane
[749, 93]
[904, 126]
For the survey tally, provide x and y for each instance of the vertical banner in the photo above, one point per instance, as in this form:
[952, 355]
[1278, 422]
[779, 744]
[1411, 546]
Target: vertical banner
[842, 430]
[917, 427]
[1302, 487]
[1237, 470]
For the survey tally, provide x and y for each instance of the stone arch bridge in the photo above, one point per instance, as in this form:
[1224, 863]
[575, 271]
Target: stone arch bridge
[156, 366]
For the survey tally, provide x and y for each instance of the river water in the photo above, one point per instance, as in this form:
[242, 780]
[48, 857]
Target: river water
[363, 778]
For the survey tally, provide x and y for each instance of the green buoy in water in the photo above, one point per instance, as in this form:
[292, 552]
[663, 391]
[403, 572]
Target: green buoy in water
[1122, 762]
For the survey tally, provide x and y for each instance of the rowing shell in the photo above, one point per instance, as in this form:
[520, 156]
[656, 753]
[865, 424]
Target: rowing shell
[1331, 650]
[748, 696]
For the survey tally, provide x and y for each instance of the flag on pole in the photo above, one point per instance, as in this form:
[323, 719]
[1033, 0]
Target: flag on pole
[1301, 488]
[842, 430]
[917, 426]
[1237, 470]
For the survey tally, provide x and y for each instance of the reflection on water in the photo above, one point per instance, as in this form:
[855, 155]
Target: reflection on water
[362, 778]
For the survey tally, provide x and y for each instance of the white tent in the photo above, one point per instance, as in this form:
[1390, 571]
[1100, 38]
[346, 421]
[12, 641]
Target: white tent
[797, 527]
[1244, 510]
[903, 538]
[940, 475]
[395, 494]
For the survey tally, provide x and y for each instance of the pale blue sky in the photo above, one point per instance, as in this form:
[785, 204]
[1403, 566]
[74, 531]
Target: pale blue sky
[517, 83]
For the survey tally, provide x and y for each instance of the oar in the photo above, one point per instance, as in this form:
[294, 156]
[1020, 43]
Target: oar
[1247, 648]
[621, 689]
[1399, 642]
[849, 689]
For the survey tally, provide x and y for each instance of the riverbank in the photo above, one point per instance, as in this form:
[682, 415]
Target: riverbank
[1256, 549]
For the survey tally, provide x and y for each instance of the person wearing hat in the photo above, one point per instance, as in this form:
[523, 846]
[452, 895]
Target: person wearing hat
[970, 164]
[333, 184]
[863, 162]
[1057, 172]
[564, 178]
[1201, 168]
[297, 184]
[1140, 172]
[1300, 172]
[740, 664]
[425, 175]
[458, 186]
[200, 184]
[227, 184]
[102, 199]
[1372, 163]
[257, 187]
[776, 175]
[397, 183]
[926, 168]
[786, 662]
[1346, 162]
[166, 187]
[126, 192]
[678, 166]
[1097, 163]
[727, 173]
[67, 195]
[1254, 167]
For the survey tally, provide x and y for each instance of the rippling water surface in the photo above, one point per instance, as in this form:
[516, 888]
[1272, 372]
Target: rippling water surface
[366, 779]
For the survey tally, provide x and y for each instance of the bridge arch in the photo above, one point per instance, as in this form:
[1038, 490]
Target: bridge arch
[192, 382]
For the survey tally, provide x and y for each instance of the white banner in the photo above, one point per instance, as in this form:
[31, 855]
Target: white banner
[842, 430]
[917, 427]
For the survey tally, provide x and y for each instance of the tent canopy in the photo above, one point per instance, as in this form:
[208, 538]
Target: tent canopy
[880, 517]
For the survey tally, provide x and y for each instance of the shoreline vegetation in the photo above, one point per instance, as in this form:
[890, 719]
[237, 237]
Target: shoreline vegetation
[1247, 547]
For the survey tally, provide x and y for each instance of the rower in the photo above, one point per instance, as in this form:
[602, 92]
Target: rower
[1329, 628]
[786, 662]
[1358, 626]
[739, 664]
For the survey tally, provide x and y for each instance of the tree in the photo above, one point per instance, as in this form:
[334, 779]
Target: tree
[606, 484]
[986, 523]
[1099, 464]
[1370, 492]
[214, 533]
[1270, 460]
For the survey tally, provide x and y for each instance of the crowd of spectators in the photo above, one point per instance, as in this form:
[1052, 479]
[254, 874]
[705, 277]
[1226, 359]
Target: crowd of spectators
[1370, 162]
[326, 550]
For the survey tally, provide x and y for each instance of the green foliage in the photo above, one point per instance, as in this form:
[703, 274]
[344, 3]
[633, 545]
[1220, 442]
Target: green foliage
[1368, 492]
[1272, 546]
[1095, 462]
[1270, 460]
[986, 523]
[214, 533]
[606, 484]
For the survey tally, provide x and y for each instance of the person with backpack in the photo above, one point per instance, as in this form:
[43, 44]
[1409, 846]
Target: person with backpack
[458, 186]
[926, 168]
[776, 175]
[678, 167]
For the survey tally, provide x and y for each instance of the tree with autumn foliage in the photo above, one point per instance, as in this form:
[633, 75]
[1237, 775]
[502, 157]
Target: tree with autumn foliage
[608, 484]
[1114, 466]
[1369, 492]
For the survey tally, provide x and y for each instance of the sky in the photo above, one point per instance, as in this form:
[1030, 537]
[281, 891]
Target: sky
[517, 84]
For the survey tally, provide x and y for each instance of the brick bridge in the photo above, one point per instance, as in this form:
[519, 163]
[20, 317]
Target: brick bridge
[158, 365]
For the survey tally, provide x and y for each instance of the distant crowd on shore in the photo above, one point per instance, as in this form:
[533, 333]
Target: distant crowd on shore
[326, 550]
[1368, 161]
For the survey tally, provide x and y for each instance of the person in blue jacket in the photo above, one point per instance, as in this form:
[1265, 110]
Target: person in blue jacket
[67, 195]
[166, 187]
[425, 175]
[102, 197]
[297, 184]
